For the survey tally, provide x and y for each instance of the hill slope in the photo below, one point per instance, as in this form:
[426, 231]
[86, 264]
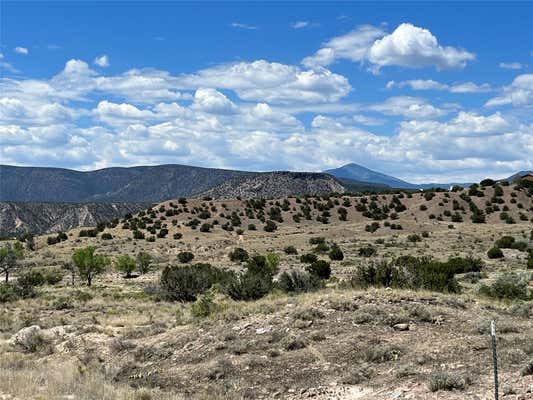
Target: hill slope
[276, 184]
[38, 218]
[519, 174]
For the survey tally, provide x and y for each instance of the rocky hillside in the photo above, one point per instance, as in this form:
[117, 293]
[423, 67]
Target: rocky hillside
[20, 217]
[276, 185]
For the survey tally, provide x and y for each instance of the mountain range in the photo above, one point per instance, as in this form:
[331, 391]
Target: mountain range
[40, 200]
[359, 173]
[163, 182]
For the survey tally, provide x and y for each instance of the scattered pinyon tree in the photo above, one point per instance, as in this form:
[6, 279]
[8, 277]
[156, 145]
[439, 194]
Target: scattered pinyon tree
[89, 264]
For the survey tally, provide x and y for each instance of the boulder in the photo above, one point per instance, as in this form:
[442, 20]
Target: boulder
[27, 337]
[401, 327]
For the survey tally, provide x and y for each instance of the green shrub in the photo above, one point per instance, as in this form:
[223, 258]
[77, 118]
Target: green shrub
[336, 253]
[53, 276]
[186, 283]
[459, 265]
[435, 276]
[298, 282]
[125, 264]
[82, 296]
[321, 248]
[379, 274]
[505, 242]
[270, 226]
[138, 234]
[106, 236]
[8, 292]
[250, 285]
[509, 242]
[367, 251]
[51, 240]
[257, 281]
[238, 255]
[447, 381]
[32, 277]
[27, 282]
[317, 240]
[457, 217]
[204, 306]
[205, 228]
[264, 264]
[320, 268]
[509, 286]
[487, 182]
[495, 252]
[143, 262]
[308, 258]
[411, 272]
[374, 226]
[290, 250]
[414, 238]
[185, 257]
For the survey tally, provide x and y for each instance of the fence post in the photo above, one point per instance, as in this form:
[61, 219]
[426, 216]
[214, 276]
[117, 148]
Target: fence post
[494, 357]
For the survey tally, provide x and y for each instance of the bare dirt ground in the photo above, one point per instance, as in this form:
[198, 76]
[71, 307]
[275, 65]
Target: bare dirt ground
[114, 340]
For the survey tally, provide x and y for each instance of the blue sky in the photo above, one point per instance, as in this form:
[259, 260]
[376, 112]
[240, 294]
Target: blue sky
[423, 91]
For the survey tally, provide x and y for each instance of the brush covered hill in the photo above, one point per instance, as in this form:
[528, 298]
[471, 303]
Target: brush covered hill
[276, 185]
[114, 192]
[213, 224]
[38, 218]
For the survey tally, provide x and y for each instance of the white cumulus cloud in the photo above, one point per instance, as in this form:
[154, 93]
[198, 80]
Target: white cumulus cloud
[21, 50]
[352, 46]
[429, 84]
[300, 24]
[511, 65]
[518, 93]
[102, 61]
[212, 101]
[411, 46]
[408, 107]
[240, 25]
[407, 46]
